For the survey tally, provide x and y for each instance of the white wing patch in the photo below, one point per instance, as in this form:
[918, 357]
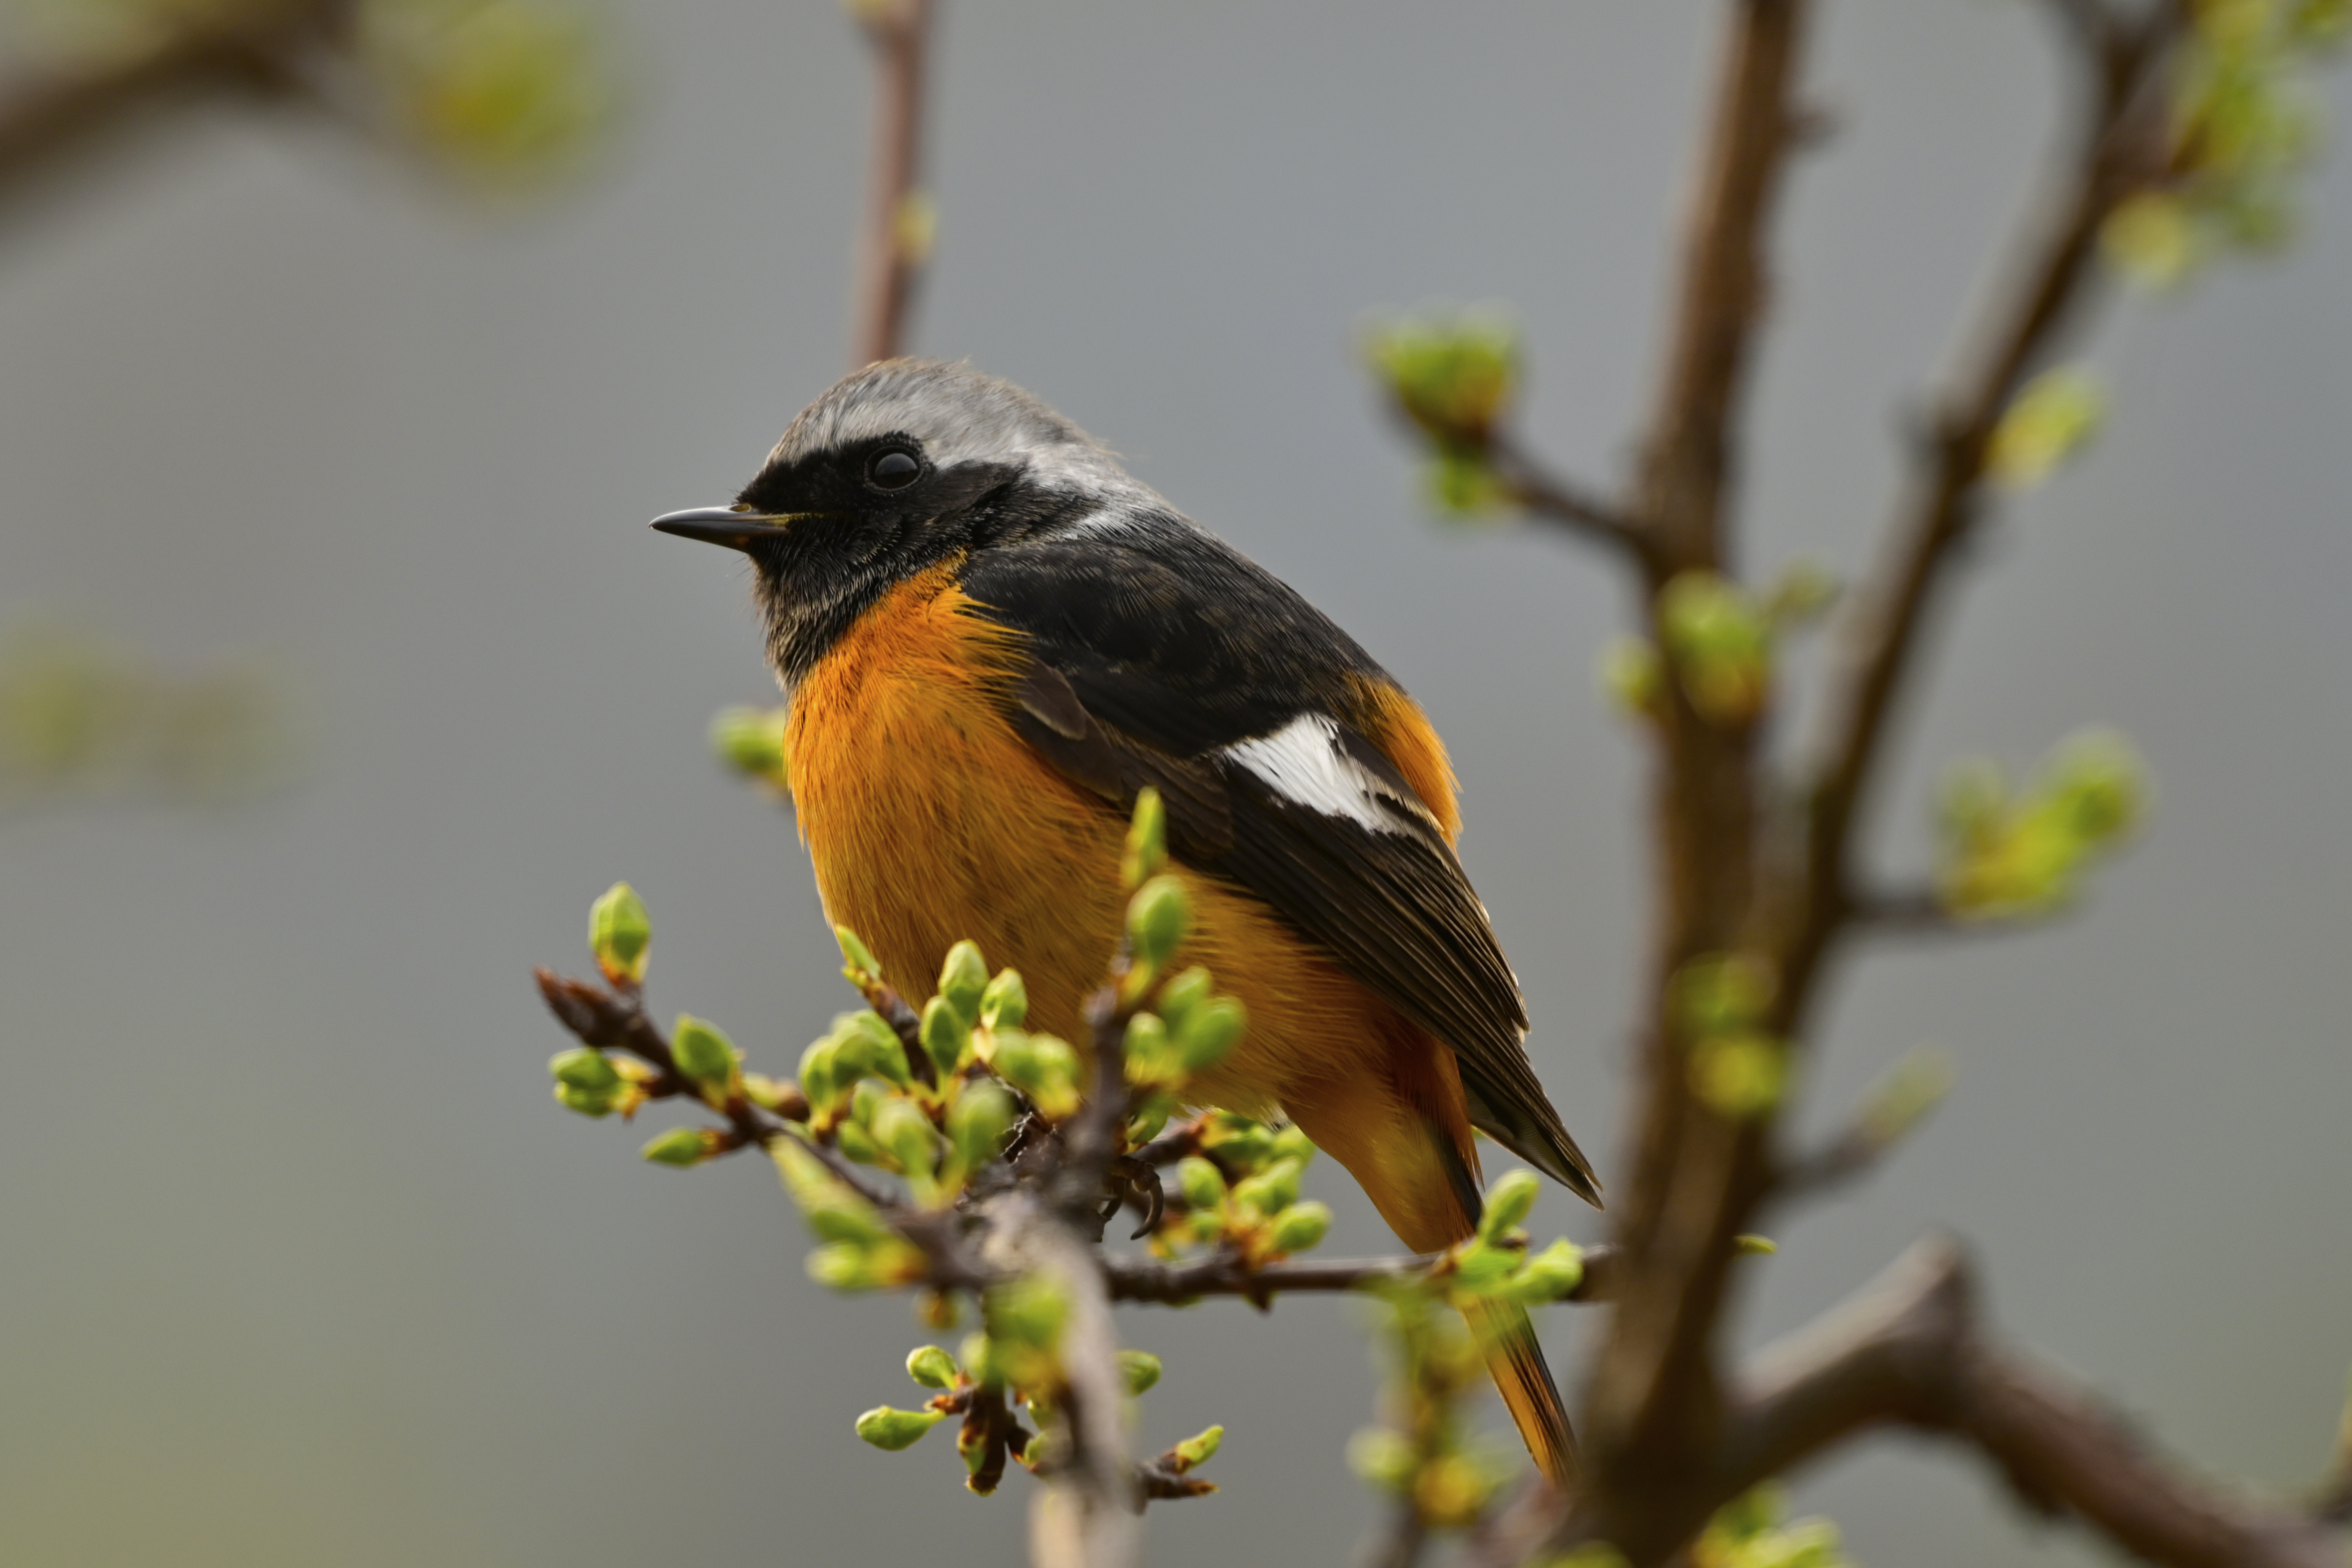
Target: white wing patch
[1307, 767]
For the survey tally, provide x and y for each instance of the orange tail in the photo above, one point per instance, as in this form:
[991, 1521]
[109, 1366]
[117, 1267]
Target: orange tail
[1405, 1137]
[1517, 1362]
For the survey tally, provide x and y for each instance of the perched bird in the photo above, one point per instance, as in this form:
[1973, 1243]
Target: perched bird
[991, 638]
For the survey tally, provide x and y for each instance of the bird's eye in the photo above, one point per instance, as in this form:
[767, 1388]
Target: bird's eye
[893, 469]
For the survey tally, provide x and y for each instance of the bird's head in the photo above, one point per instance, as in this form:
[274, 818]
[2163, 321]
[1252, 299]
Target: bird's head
[897, 468]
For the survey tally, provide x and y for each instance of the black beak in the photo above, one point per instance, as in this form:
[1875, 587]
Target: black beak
[737, 530]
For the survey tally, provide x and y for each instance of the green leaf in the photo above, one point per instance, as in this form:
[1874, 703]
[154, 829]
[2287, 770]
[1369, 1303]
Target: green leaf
[619, 931]
[895, 1429]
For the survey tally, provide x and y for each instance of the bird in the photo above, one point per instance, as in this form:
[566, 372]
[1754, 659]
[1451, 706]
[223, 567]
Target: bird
[991, 638]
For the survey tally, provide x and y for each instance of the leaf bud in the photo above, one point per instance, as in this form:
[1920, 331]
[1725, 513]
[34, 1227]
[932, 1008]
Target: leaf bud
[1238, 1141]
[931, 1366]
[702, 1051]
[1145, 1121]
[2052, 417]
[857, 1144]
[1508, 1203]
[979, 1358]
[978, 1123]
[680, 1146]
[779, 1095]
[1271, 1190]
[1548, 1275]
[1738, 1075]
[1479, 1268]
[1155, 919]
[1148, 1058]
[946, 1036]
[864, 1043]
[1198, 1449]
[1028, 1311]
[1180, 995]
[619, 930]
[1210, 1033]
[1004, 1004]
[1721, 644]
[1146, 851]
[1632, 678]
[1203, 1185]
[1757, 1245]
[1291, 1142]
[900, 1127]
[895, 1429]
[1383, 1458]
[1299, 1227]
[589, 1102]
[856, 959]
[962, 980]
[1041, 1067]
[751, 741]
[586, 1070]
[886, 1265]
[1140, 1369]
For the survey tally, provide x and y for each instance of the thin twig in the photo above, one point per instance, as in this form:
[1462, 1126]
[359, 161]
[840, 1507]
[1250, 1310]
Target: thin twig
[1227, 1274]
[1548, 498]
[897, 239]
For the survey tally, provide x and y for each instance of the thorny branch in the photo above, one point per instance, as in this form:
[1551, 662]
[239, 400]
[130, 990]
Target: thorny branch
[897, 235]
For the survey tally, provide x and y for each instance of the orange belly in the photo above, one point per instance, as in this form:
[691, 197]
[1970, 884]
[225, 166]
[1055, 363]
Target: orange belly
[930, 820]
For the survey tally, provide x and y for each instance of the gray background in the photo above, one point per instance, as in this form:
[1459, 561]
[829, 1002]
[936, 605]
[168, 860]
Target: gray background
[302, 1265]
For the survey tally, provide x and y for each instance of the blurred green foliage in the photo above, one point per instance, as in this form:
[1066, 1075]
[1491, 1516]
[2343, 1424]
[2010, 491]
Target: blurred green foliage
[2014, 851]
[81, 718]
[1453, 375]
[2050, 421]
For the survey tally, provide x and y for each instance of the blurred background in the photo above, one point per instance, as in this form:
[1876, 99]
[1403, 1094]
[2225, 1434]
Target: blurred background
[298, 1263]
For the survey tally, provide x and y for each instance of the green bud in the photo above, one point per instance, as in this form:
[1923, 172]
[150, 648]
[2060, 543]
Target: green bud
[1738, 1075]
[1383, 1458]
[1041, 1067]
[865, 1100]
[1721, 990]
[900, 1127]
[1180, 995]
[593, 1102]
[1759, 1246]
[978, 1123]
[701, 1050]
[2098, 784]
[1241, 1141]
[2048, 422]
[931, 1366]
[1479, 1268]
[848, 1218]
[1028, 1313]
[1292, 1144]
[864, 1044]
[1147, 841]
[751, 741]
[680, 1146]
[1299, 1227]
[817, 1075]
[1271, 1190]
[582, 1068]
[1155, 919]
[1508, 1203]
[945, 1035]
[857, 1144]
[962, 980]
[847, 1265]
[1721, 643]
[1210, 1033]
[1147, 1120]
[1631, 677]
[1148, 1058]
[1198, 1449]
[1004, 1004]
[1971, 795]
[1140, 1369]
[2151, 239]
[857, 960]
[1452, 375]
[1203, 1185]
[979, 1358]
[1548, 1276]
[895, 1429]
[619, 930]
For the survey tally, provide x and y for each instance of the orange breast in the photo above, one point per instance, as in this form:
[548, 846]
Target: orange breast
[928, 820]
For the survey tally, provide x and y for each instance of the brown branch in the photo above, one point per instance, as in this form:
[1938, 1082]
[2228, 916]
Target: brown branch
[1693, 1173]
[1911, 1351]
[1878, 640]
[1548, 499]
[1227, 1274]
[897, 240]
[254, 54]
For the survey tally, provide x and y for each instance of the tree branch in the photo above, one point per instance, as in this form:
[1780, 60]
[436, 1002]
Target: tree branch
[1911, 1351]
[1226, 1274]
[254, 53]
[1550, 500]
[898, 218]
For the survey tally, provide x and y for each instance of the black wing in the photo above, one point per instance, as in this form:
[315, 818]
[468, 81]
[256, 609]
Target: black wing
[1162, 656]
